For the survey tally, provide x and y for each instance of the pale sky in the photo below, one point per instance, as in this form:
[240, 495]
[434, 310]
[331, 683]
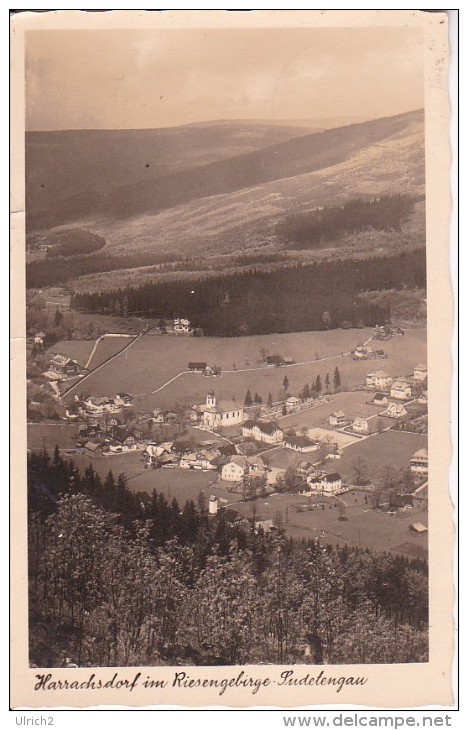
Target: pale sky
[93, 79]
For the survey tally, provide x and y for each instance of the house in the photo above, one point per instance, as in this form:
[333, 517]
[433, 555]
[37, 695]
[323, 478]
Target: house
[266, 431]
[274, 361]
[400, 390]
[380, 399]
[224, 413]
[419, 462]
[361, 353]
[288, 361]
[337, 418]
[360, 425]
[324, 484]
[423, 399]
[265, 525]
[292, 403]
[158, 416]
[379, 380]
[418, 527]
[234, 470]
[380, 353]
[305, 468]
[420, 372]
[213, 505]
[335, 453]
[300, 443]
[182, 326]
[39, 338]
[92, 446]
[63, 366]
[97, 406]
[196, 460]
[395, 410]
[196, 367]
[123, 399]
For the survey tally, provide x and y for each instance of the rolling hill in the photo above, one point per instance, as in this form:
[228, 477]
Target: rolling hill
[67, 171]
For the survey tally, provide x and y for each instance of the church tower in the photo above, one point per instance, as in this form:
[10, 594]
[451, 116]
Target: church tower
[211, 399]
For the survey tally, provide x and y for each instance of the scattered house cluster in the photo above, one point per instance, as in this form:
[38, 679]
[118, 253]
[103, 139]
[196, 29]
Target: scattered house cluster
[276, 361]
[92, 406]
[386, 332]
[204, 369]
[180, 326]
[241, 469]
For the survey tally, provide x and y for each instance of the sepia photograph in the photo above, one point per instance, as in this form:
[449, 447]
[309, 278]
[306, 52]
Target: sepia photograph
[227, 384]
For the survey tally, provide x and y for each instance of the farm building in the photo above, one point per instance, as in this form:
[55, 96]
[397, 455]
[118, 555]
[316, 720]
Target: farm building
[63, 366]
[419, 462]
[224, 413]
[395, 410]
[266, 431]
[197, 461]
[420, 372]
[379, 380]
[196, 367]
[324, 484]
[400, 390]
[274, 360]
[360, 425]
[182, 327]
[292, 403]
[337, 418]
[301, 444]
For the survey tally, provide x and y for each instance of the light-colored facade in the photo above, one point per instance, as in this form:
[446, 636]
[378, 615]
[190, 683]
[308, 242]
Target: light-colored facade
[325, 484]
[265, 431]
[360, 425]
[420, 372]
[222, 414]
[400, 390]
[419, 462]
[379, 380]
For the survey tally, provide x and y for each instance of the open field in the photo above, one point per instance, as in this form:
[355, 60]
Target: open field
[394, 447]
[47, 435]
[153, 361]
[107, 347]
[352, 404]
[364, 527]
[78, 350]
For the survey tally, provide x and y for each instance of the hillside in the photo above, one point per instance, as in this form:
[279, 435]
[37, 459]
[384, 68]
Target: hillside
[66, 171]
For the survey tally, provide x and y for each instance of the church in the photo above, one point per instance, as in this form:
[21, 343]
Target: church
[221, 414]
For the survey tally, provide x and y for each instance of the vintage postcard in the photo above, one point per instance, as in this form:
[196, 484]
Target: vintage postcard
[231, 331]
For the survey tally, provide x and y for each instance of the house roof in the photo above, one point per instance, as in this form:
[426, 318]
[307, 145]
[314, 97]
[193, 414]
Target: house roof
[358, 421]
[293, 399]
[273, 358]
[378, 374]
[299, 441]
[421, 454]
[201, 365]
[91, 446]
[267, 427]
[224, 406]
[418, 527]
[379, 396]
[63, 360]
[400, 385]
[334, 477]
[40, 334]
[239, 461]
[421, 367]
[338, 414]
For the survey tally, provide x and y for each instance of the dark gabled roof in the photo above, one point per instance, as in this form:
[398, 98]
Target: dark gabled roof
[299, 441]
[264, 426]
[334, 477]
[198, 365]
[274, 358]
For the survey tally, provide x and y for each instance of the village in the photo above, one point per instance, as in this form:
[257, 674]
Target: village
[315, 447]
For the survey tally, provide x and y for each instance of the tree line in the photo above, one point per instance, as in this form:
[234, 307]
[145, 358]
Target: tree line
[121, 578]
[297, 298]
[318, 227]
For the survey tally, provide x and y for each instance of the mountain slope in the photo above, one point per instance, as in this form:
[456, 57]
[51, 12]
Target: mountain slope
[66, 171]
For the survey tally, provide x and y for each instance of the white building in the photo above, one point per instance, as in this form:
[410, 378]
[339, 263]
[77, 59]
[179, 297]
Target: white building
[213, 505]
[395, 410]
[420, 372]
[419, 462]
[234, 470]
[266, 431]
[360, 425]
[324, 484]
[400, 390]
[182, 326]
[222, 414]
[379, 380]
[337, 418]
